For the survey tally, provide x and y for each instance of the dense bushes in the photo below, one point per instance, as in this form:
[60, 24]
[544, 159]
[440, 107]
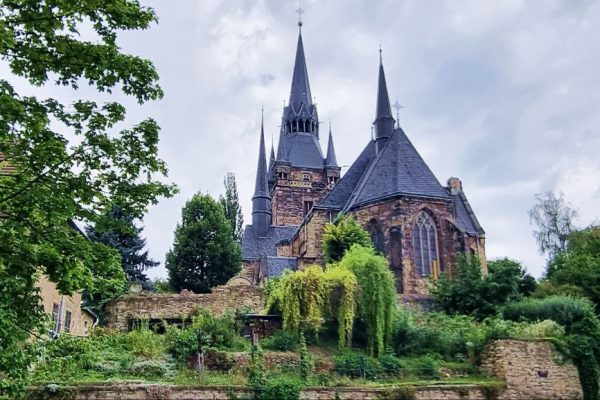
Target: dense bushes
[469, 292]
[340, 237]
[281, 341]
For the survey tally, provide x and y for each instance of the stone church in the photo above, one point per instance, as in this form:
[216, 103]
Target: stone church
[417, 223]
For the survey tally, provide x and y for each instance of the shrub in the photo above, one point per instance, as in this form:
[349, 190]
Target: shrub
[281, 341]
[425, 367]
[280, 388]
[339, 238]
[390, 364]
[151, 368]
[145, 343]
[357, 365]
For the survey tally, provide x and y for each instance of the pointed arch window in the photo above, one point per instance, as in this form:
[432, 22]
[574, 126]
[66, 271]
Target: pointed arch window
[425, 245]
[376, 233]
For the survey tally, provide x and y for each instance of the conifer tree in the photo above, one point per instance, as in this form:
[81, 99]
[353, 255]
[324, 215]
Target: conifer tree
[119, 232]
[231, 206]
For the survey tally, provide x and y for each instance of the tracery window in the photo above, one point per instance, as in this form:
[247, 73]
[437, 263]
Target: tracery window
[424, 239]
[376, 234]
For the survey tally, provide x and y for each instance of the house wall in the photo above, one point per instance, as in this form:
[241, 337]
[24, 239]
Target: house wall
[81, 321]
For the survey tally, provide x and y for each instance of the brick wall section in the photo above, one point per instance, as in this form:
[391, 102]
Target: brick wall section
[288, 195]
[531, 370]
[175, 306]
[401, 214]
[165, 392]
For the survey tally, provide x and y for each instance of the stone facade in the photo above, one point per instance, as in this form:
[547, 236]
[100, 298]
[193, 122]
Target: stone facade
[146, 307]
[532, 369]
[65, 311]
[296, 190]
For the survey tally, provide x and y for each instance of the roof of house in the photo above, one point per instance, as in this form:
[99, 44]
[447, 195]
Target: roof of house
[464, 216]
[254, 247]
[277, 265]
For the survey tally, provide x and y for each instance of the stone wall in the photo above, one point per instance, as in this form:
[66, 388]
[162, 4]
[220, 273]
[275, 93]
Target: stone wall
[166, 392]
[531, 369]
[179, 306]
[288, 195]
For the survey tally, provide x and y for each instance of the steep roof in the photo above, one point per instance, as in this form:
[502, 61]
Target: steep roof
[301, 150]
[337, 198]
[254, 247]
[331, 159]
[261, 187]
[300, 91]
[464, 216]
[384, 110]
[397, 170]
[277, 265]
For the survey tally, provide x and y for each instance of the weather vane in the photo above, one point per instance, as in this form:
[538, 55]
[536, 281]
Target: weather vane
[397, 106]
[300, 11]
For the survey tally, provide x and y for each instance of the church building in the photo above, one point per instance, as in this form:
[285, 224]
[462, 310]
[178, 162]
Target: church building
[418, 224]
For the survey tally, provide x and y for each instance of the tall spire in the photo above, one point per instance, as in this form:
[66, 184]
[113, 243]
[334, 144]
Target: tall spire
[384, 121]
[331, 160]
[300, 92]
[261, 201]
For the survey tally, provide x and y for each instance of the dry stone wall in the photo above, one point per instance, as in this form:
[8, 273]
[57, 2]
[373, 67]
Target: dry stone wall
[531, 369]
[180, 306]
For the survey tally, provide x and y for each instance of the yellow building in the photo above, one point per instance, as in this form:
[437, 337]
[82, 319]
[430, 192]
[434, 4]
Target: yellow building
[68, 317]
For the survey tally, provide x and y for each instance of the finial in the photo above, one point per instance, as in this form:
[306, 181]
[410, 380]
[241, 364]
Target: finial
[300, 11]
[380, 54]
[397, 106]
[329, 125]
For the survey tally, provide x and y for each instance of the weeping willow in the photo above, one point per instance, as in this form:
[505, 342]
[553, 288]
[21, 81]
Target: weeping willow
[377, 294]
[307, 297]
[342, 290]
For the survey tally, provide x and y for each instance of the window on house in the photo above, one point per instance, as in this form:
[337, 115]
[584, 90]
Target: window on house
[306, 177]
[55, 309]
[308, 205]
[374, 229]
[68, 321]
[424, 239]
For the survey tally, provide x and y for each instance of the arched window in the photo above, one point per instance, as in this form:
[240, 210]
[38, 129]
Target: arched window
[376, 235]
[294, 126]
[289, 127]
[301, 126]
[424, 239]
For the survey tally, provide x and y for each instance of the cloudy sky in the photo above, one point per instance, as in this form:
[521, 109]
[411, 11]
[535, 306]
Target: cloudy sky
[503, 94]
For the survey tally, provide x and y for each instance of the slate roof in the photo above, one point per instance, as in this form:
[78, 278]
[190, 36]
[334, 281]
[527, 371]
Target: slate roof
[276, 265]
[254, 247]
[300, 91]
[465, 218]
[337, 198]
[301, 150]
[331, 159]
[397, 170]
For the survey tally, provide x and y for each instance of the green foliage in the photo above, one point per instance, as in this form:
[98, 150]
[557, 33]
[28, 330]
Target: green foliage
[204, 254]
[586, 353]
[357, 365]
[578, 268]
[468, 292]
[306, 361]
[390, 364]
[281, 341]
[377, 305]
[281, 388]
[231, 206]
[340, 237]
[342, 288]
[206, 332]
[162, 286]
[68, 160]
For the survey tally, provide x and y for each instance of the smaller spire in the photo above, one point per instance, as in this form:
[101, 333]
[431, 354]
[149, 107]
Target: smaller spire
[331, 160]
[261, 201]
[384, 121]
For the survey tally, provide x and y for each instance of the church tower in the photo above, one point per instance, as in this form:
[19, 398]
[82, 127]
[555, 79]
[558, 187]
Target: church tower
[300, 175]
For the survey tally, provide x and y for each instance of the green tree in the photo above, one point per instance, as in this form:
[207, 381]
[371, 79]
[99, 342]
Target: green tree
[204, 254]
[65, 162]
[377, 304]
[339, 237]
[119, 231]
[553, 217]
[231, 205]
[578, 268]
[468, 292]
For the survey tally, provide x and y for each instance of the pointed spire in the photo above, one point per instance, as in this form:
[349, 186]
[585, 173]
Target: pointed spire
[331, 160]
[300, 92]
[384, 121]
[261, 201]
